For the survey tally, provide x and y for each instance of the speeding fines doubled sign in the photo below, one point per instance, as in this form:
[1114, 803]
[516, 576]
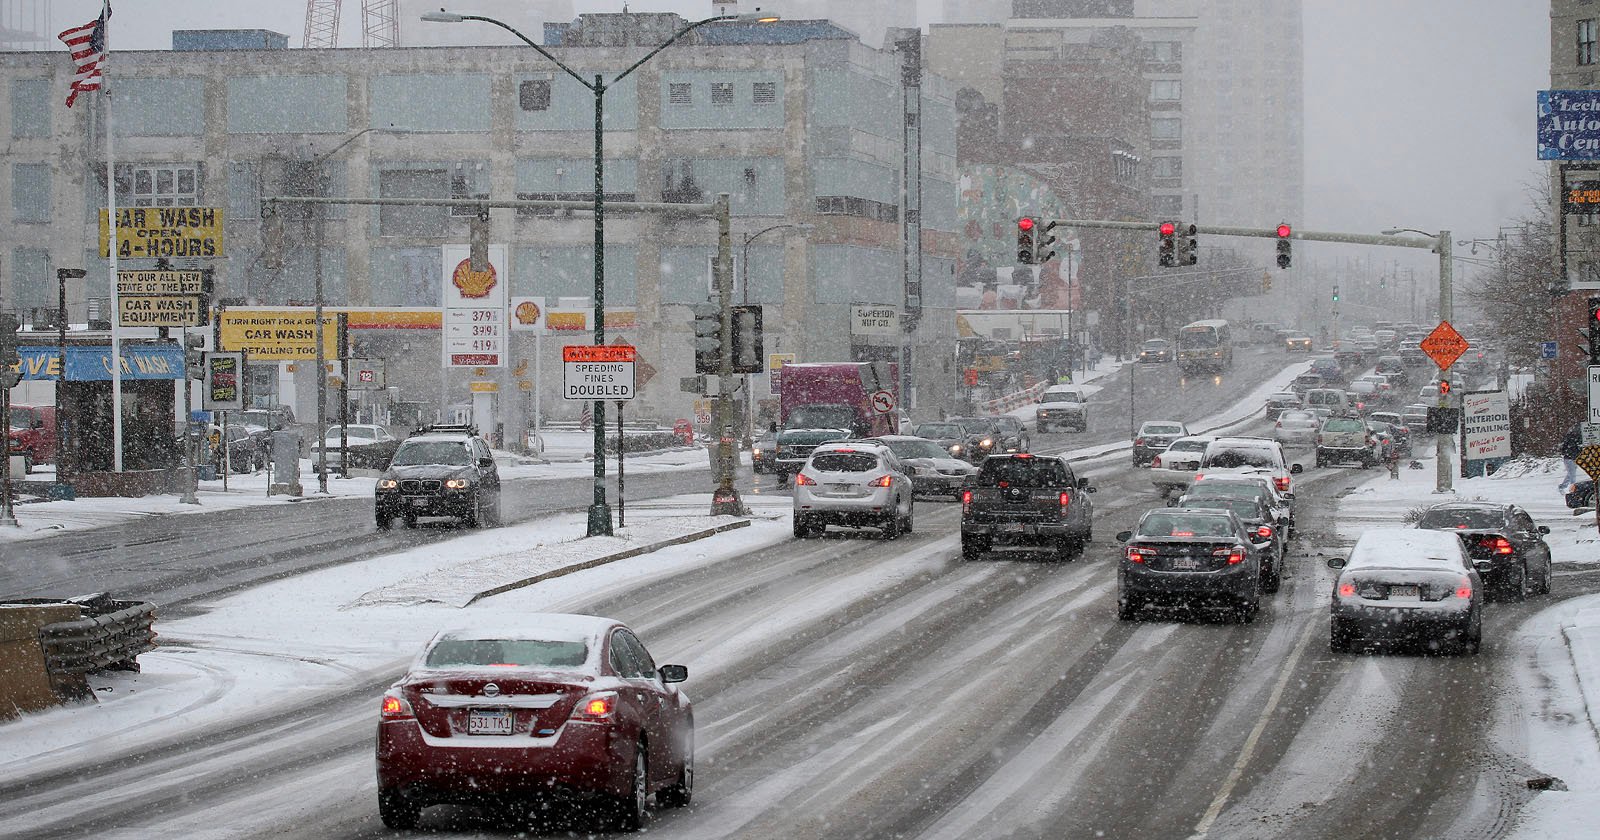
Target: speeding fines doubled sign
[597, 372]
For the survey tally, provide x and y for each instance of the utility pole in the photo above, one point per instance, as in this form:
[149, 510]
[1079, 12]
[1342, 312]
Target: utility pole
[725, 501]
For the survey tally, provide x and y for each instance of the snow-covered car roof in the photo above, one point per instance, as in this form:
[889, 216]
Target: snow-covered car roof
[555, 627]
[1407, 548]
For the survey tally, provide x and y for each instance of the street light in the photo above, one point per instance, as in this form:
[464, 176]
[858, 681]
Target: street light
[599, 511]
[744, 285]
[1442, 243]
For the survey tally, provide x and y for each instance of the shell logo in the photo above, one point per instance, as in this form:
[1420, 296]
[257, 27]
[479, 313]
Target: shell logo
[527, 313]
[472, 284]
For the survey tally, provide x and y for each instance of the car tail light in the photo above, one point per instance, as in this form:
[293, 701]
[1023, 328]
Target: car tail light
[394, 707]
[966, 501]
[804, 480]
[599, 706]
[1066, 499]
[1155, 463]
[1278, 424]
[1347, 590]
[1319, 439]
[1282, 483]
[1235, 554]
[1022, 455]
[881, 481]
[1264, 531]
[1138, 441]
[1137, 554]
[1198, 476]
[1499, 544]
[1464, 589]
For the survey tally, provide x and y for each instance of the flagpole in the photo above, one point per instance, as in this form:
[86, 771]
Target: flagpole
[116, 305]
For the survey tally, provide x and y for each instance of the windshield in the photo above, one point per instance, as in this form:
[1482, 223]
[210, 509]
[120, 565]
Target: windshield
[1198, 338]
[821, 417]
[1231, 489]
[1343, 424]
[976, 425]
[1461, 518]
[1023, 472]
[1231, 457]
[446, 452]
[1161, 429]
[1183, 524]
[843, 462]
[940, 430]
[1155, 344]
[1061, 396]
[917, 449]
[503, 653]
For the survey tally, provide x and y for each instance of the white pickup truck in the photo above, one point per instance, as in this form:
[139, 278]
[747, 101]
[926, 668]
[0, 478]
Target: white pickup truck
[1063, 405]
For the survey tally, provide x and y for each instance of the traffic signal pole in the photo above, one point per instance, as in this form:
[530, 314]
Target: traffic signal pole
[1439, 244]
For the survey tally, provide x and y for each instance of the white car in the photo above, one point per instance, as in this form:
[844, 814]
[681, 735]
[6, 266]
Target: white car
[934, 471]
[1296, 428]
[1172, 469]
[1249, 456]
[357, 435]
[853, 483]
[1063, 405]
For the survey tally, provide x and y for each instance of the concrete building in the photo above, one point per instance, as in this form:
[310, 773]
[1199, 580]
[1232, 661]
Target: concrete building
[798, 121]
[868, 21]
[1574, 60]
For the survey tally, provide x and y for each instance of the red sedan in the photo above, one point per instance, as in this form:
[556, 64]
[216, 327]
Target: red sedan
[563, 707]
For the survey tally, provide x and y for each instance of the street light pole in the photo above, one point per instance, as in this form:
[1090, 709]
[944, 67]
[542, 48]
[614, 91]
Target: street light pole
[599, 511]
[744, 287]
[1443, 441]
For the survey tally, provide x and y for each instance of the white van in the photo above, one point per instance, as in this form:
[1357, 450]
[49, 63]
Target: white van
[1333, 399]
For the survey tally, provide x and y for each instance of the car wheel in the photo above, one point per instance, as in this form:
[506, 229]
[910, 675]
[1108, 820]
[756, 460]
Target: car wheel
[909, 520]
[1044, 428]
[1272, 581]
[973, 548]
[474, 515]
[1516, 583]
[384, 520]
[1127, 608]
[891, 524]
[1544, 581]
[802, 527]
[397, 812]
[1247, 611]
[681, 792]
[631, 808]
[1339, 640]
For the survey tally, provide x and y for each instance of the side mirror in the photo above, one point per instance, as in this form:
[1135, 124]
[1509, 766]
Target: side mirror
[1296, 469]
[1083, 484]
[1124, 536]
[673, 673]
[1336, 562]
[1544, 529]
[1483, 566]
[1089, 489]
[485, 462]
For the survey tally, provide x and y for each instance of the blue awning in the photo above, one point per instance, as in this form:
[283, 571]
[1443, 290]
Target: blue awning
[93, 364]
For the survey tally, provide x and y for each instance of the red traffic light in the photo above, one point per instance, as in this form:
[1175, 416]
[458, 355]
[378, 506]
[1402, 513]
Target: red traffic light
[1284, 231]
[1025, 223]
[1444, 386]
[1168, 228]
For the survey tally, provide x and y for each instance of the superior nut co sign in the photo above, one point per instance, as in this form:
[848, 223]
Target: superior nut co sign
[597, 372]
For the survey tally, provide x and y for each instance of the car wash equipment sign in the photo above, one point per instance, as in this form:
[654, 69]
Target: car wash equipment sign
[474, 309]
[597, 372]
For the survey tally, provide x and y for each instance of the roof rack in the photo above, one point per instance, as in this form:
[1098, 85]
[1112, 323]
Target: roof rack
[448, 428]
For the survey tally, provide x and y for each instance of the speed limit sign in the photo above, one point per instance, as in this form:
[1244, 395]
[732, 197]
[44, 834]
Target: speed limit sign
[883, 401]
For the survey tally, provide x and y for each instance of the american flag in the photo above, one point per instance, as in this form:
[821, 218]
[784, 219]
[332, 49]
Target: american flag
[586, 419]
[88, 46]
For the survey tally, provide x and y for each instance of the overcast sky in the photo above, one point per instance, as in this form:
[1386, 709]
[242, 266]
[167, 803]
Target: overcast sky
[1417, 113]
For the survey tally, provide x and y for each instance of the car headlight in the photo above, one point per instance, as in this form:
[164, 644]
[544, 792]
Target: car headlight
[458, 484]
[955, 449]
[387, 484]
[986, 443]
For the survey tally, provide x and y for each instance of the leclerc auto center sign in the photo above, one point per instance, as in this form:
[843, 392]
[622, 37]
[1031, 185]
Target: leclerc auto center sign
[1569, 125]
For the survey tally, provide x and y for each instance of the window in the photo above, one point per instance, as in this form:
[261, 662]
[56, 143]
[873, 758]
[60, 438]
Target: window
[412, 183]
[1586, 39]
[534, 95]
[1166, 90]
[470, 180]
[165, 185]
[721, 93]
[30, 192]
[678, 94]
[1163, 52]
[1126, 166]
[1166, 128]
[1166, 167]
[764, 93]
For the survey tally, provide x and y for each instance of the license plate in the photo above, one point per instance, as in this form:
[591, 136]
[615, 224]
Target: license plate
[842, 489]
[419, 502]
[1185, 563]
[489, 722]
[1012, 528]
[1404, 592]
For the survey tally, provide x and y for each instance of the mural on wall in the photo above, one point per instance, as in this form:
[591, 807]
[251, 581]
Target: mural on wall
[987, 276]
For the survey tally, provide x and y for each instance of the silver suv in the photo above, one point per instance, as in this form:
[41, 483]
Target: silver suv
[1348, 439]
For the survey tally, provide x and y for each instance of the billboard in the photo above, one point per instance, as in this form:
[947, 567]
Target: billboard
[1569, 125]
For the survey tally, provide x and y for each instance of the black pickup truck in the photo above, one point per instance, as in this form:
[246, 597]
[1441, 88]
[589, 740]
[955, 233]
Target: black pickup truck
[1025, 499]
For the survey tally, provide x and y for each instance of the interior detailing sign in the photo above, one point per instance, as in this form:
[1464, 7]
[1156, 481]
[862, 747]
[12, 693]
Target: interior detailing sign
[1569, 125]
[1487, 416]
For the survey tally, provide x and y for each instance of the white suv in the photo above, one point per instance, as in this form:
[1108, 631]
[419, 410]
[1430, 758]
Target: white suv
[852, 483]
[1249, 456]
[1063, 405]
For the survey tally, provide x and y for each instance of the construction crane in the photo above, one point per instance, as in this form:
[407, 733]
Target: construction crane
[380, 23]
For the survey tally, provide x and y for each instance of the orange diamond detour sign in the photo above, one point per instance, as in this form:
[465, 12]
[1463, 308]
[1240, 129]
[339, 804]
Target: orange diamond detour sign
[1444, 345]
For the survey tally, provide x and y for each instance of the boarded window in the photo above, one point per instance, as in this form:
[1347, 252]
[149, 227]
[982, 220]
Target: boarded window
[764, 93]
[721, 93]
[678, 94]
[534, 95]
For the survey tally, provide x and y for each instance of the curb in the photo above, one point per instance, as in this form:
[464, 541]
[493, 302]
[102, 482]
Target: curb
[609, 558]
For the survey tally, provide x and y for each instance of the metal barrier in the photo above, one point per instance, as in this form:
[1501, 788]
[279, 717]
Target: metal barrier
[110, 636]
[1016, 399]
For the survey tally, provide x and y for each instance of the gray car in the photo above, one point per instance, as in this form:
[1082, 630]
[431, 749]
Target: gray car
[933, 470]
[1190, 557]
[1407, 584]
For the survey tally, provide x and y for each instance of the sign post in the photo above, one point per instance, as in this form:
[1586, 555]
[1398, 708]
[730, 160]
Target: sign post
[1444, 345]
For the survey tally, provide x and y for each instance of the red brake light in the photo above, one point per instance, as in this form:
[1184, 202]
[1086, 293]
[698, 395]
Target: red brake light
[1066, 498]
[1264, 531]
[1022, 455]
[1137, 554]
[966, 501]
[1182, 533]
[1156, 462]
[1282, 483]
[1198, 476]
[804, 480]
[1234, 554]
[851, 451]
[596, 707]
[1501, 545]
[1464, 590]
[881, 481]
[1347, 590]
[394, 708]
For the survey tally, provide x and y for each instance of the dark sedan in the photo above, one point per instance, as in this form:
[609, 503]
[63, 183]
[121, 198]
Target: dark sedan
[1505, 537]
[548, 708]
[1156, 350]
[1177, 555]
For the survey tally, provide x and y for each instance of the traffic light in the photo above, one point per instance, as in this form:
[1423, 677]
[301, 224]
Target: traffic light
[194, 356]
[1335, 294]
[1284, 232]
[1444, 387]
[1189, 254]
[707, 338]
[747, 342]
[1167, 255]
[1027, 233]
[1594, 331]
[1046, 241]
[1266, 282]
[478, 241]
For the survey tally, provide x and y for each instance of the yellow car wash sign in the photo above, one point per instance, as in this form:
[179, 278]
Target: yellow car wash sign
[151, 232]
[289, 333]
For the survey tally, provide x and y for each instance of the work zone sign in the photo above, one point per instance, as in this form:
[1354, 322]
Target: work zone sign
[598, 372]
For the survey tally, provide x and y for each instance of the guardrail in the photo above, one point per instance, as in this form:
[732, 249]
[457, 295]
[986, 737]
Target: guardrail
[1015, 399]
[110, 636]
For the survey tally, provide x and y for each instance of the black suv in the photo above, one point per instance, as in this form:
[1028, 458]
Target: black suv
[440, 471]
[992, 435]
